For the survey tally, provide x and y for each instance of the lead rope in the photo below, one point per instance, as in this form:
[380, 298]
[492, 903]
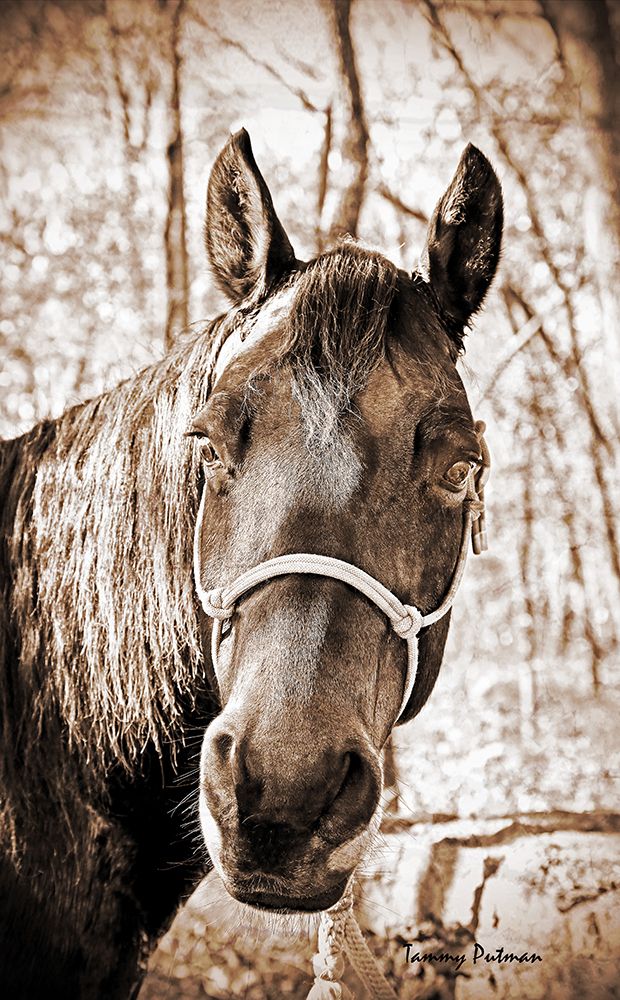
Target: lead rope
[340, 934]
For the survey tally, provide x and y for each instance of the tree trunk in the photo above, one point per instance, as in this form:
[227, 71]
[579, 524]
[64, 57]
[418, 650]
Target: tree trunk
[586, 39]
[354, 149]
[174, 238]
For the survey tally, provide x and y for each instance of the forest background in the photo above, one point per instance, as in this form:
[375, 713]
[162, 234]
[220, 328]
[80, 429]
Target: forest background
[112, 114]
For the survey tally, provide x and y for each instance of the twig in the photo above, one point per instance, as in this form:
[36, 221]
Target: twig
[413, 213]
[526, 334]
[232, 43]
[597, 821]
[130, 158]
[121, 90]
[543, 418]
[175, 238]
[323, 176]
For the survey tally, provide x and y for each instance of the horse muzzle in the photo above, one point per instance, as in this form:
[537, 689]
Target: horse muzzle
[285, 827]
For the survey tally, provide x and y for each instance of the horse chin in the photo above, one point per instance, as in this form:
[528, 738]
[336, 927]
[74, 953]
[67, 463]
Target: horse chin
[264, 892]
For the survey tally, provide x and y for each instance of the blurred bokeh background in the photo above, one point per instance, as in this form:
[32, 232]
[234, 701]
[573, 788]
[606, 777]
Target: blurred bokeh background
[112, 114]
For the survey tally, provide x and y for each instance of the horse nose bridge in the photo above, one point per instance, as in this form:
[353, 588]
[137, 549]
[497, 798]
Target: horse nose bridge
[314, 650]
[283, 633]
[297, 616]
[301, 598]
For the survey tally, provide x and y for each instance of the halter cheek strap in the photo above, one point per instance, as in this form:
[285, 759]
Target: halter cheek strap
[406, 620]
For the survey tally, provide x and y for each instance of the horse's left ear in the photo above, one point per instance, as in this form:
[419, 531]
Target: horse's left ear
[246, 243]
[464, 240]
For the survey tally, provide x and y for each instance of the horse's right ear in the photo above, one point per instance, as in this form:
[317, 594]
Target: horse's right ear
[246, 243]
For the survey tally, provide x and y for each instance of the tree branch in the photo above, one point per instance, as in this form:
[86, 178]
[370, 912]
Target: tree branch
[609, 518]
[413, 213]
[484, 104]
[524, 336]
[323, 176]
[573, 364]
[231, 43]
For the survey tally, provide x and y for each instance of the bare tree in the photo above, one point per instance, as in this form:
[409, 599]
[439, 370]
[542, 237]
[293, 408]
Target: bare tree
[175, 237]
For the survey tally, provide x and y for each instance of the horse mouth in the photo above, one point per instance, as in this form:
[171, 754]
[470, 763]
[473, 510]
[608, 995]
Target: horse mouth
[291, 904]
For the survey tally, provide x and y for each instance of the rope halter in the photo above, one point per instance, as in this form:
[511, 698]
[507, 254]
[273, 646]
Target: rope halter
[406, 619]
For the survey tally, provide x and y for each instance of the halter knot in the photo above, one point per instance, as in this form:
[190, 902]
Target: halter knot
[212, 602]
[475, 506]
[410, 624]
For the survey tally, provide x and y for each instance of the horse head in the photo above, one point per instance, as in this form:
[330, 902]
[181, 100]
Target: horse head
[337, 425]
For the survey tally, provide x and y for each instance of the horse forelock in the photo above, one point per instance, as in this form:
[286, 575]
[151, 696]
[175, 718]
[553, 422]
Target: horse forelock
[340, 315]
[336, 331]
[349, 307]
[330, 325]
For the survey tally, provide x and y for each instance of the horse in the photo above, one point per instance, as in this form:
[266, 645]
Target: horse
[320, 418]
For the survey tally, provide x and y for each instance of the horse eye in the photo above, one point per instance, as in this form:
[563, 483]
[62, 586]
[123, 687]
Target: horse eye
[456, 476]
[208, 452]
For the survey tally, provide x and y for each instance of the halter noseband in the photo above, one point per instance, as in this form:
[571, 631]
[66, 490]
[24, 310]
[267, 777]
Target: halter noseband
[406, 620]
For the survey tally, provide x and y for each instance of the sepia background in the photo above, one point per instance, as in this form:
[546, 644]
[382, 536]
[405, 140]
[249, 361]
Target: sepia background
[501, 824]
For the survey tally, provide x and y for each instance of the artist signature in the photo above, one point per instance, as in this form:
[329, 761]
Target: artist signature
[479, 954]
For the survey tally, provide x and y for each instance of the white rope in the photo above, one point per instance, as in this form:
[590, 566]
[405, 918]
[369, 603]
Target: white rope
[340, 935]
[328, 964]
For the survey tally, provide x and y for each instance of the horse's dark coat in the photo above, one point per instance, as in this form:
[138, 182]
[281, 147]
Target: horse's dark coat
[104, 687]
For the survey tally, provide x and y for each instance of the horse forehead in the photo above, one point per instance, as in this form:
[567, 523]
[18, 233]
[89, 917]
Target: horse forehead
[250, 335]
[400, 393]
[287, 469]
[388, 402]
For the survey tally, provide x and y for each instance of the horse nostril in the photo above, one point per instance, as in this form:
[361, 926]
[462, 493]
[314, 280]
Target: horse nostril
[275, 786]
[349, 773]
[351, 807]
[223, 748]
[341, 778]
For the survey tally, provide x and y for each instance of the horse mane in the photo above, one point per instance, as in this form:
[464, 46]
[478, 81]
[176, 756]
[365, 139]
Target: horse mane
[101, 639]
